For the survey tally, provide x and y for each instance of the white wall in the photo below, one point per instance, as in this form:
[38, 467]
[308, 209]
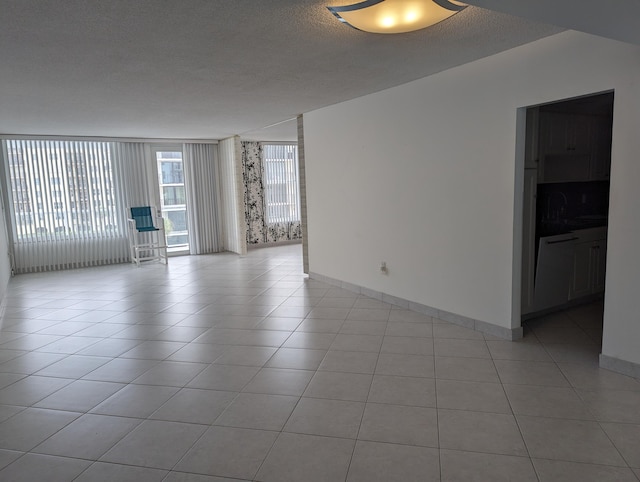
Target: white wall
[422, 176]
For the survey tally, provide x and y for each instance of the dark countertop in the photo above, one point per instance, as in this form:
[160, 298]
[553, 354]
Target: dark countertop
[564, 226]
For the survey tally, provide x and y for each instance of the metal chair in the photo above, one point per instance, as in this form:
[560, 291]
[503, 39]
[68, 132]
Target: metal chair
[146, 240]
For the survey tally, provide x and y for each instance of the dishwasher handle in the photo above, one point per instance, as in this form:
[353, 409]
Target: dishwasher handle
[563, 240]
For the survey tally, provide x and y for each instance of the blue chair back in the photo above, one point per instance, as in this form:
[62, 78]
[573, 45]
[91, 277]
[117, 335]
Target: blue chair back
[143, 218]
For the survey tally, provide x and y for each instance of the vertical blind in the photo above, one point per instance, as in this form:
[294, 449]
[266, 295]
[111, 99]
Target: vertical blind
[200, 170]
[68, 200]
[282, 192]
[64, 205]
[230, 163]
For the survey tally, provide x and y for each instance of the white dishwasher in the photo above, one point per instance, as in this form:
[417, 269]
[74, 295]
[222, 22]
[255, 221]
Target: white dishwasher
[554, 271]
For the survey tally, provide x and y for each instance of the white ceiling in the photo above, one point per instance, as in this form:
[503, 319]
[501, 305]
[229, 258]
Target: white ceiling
[209, 69]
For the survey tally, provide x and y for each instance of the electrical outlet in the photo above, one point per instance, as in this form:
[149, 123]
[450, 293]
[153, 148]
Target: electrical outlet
[383, 267]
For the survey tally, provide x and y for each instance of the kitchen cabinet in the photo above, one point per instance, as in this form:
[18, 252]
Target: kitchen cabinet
[562, 133]
[564, 168]
[582, 267]
[589, 261]
[570, 266]
[573, 147]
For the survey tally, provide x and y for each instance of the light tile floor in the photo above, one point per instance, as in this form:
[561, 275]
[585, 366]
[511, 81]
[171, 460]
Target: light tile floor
[225, 368]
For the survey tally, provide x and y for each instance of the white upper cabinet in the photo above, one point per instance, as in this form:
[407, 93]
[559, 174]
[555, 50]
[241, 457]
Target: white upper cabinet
[564, 134]
[573, 147]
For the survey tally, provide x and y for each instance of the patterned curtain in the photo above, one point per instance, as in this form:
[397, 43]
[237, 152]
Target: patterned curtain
[253, 192]
[259, 230]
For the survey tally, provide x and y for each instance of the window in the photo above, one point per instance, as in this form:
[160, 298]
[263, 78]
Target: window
[281, 190]
[173, 199]
[47, 175]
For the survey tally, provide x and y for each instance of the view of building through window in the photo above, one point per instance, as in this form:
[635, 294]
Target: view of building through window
[173, 199]
[61, 189]
[282, 193]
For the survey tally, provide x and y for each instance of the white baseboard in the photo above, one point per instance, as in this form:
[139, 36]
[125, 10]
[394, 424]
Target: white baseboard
[477, 325]
[620, 366]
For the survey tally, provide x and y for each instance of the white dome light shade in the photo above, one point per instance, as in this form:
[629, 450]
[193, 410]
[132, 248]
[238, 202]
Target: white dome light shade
[396, 16]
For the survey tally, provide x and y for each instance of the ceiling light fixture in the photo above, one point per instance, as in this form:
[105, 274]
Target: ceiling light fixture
[396, 16]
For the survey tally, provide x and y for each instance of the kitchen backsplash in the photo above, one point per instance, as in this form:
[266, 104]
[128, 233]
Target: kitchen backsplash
[572, 200]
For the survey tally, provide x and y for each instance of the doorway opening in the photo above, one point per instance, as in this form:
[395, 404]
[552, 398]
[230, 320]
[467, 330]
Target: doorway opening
[567, 165]
[173, 200]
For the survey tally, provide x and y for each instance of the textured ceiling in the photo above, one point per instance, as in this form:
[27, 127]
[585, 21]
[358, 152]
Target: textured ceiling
[209, 69]
[615, 19]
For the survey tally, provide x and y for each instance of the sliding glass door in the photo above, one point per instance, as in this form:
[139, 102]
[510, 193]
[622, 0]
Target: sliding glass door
[173, 201]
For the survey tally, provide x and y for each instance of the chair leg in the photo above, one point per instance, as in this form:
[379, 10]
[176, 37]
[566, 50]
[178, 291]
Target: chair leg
[152, 248]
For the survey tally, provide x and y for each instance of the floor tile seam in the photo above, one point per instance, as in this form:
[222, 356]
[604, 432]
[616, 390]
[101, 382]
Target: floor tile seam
[435, 337]
[333, 399]
[577, 388]
[157, 362]
[23, 455]
[71, 380]
[403, 376]
[81, 412]
[402, 444]
[408, 336]
[343, 373]
[30, 374]
[515, 419]
[213, 424]
[69, 355]
[103, 337]
[373, 402]
[57, 431]
[22, 375]
[435, 355]
[598, 423]
[605, 389]
[584, 463]
[437, 409]
[37, 347]
[244, 390]
[205, 426]
[523, 457]
[323, 370]
[40, 349]
[569, 418]
[467, 381]
[164, 385]
[353, 448]
[255, 475]
[98, 461]
[119, 439]
[14, 415]
[577, 325]
[403, 404]
[364, 409]
[611, 441]
[75, 333]
[485, 412]
[568, 385]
